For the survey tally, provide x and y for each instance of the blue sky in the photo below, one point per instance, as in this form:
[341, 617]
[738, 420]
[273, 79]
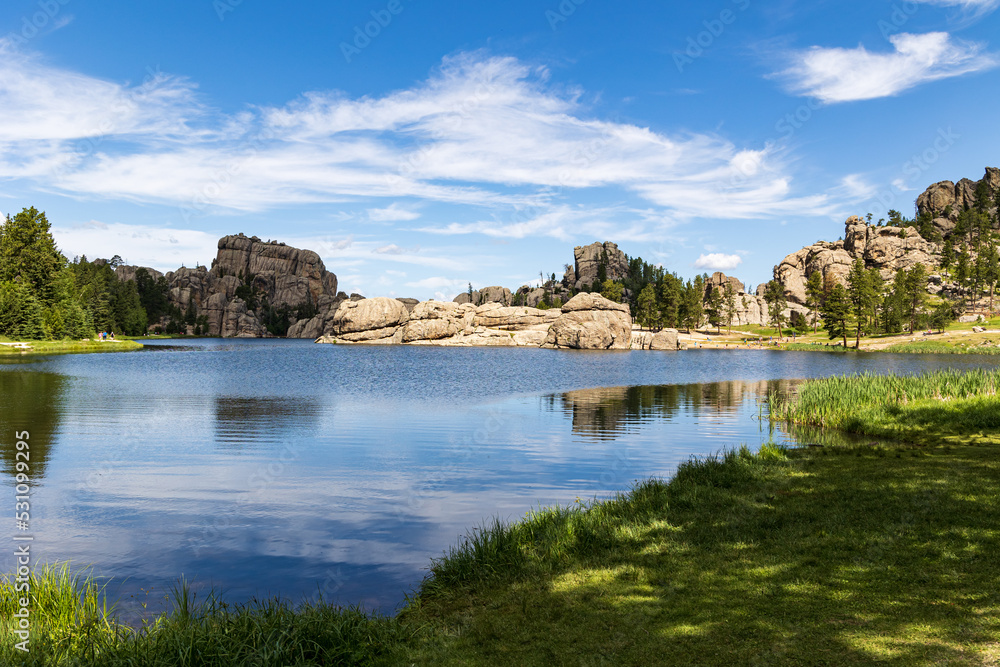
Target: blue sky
[419, 146]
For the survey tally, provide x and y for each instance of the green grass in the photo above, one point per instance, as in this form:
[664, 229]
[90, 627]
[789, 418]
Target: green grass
[71, 347]
[942, 347]
[940, 407]
[839, 556]
[72, 625]
[813, 347]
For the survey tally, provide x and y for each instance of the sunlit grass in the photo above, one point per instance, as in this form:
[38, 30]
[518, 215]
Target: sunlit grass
[71, 624]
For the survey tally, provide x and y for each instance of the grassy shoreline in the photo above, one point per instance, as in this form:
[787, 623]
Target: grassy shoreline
[35, 347]
[843, 555]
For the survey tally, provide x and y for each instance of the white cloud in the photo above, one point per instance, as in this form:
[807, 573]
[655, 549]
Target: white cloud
[393, 249]
[140, 245]
[393, 213]
[718, 261]
[855, 186]
[845, 75]
[486, 131]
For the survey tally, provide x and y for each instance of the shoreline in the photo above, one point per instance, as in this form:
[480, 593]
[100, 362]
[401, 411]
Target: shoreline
[88, 346]
[778, 555]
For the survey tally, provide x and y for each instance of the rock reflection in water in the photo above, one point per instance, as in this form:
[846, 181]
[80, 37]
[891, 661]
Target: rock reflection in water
[610, 412]
[252, 423]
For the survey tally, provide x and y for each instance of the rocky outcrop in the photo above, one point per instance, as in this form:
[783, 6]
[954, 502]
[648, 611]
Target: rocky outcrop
[238, 322]
[588, 321]
[945, 201]
[277, 275]
[887, 249]
[125, 272]
[588, 261]
[591, 322]
[494, 294]
[288, 276]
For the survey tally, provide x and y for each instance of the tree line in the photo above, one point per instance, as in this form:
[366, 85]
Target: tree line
[44, 296]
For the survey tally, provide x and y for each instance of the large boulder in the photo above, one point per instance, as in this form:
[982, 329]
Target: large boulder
[665, 339]
[591, 322]
[513, 318]
[719, 280]
[368, 319]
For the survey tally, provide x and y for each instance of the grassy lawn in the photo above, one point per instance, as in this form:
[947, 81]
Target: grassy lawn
[879, 553]
[67, 346]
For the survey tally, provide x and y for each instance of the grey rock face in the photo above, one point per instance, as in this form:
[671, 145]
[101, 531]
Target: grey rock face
[958, 196]
[285, 276]
[588, 260]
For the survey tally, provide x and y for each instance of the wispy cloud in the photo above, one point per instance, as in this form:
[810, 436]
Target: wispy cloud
[976, 6]
[844, 75]
[491, 132]
[393, 213]
[141, 245]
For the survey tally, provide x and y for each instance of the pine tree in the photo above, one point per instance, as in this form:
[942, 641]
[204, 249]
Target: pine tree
[814, 296]
[774, 295]
[714, 308]
[646, 313]
[862, 296]
[836, 313]
[729, 305]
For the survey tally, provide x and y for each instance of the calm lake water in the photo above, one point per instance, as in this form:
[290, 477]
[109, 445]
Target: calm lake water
[281, 467]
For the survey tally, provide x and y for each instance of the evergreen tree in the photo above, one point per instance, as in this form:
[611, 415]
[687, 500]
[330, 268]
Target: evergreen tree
[28, 254]
[714, 308]
[729, 305]
[21, 315]
[774, 296]
[814, 296]
[692, 308]
[612, 291]
[836, 313]
[646, 314]
[862, 296]
[916, 293]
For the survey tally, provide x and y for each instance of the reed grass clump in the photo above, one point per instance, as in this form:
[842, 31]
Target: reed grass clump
[940, 403]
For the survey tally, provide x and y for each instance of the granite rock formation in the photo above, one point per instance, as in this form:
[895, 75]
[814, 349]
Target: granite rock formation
[590, 322]
[278, 275]
[884, 248]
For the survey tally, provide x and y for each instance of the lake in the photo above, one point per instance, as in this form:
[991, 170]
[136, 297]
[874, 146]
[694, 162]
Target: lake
[280, 467]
